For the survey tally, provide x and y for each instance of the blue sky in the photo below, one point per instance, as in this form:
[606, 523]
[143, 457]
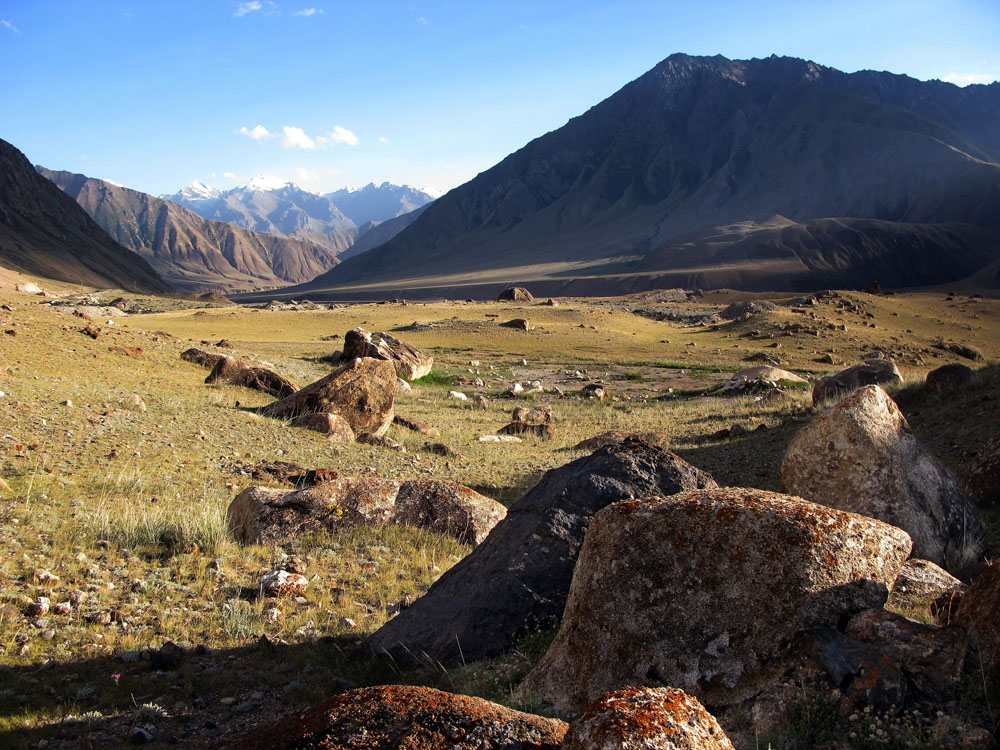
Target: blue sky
[326, 94]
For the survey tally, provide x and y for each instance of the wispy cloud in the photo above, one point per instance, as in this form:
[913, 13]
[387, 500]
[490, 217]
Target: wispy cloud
[269, 7]
[964, 79]
[340, 134]
[422, 21]
[297, 138]
[8, 25]
[257, 132]
[306, 12]
[383, 139]
[230, 176]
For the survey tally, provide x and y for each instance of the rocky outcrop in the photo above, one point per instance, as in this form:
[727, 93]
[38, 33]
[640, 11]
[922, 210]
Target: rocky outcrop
[517, 580]
[410, 363]
[362, 392]
[705, 591]
[334, 426]
[636, 718]
[860, 456]
[259, 515]
[869, 372]
[232, 371]
[392, 717]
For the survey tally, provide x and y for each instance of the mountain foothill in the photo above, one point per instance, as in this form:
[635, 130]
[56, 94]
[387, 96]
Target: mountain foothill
[763, 174]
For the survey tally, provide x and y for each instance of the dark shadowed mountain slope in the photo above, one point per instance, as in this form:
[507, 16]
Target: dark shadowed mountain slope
[621, 193]
[44, 232]
[193, 253]
[374, 233]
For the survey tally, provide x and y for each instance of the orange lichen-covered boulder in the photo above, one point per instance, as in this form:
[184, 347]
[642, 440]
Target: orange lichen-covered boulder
[860, 456]
[637, 718]
[259, 515]
[362, 392]
[705, 591]
[399, 717]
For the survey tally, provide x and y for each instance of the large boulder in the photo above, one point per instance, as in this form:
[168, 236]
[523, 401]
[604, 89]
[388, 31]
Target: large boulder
[391, 717]
[517, 580]
[410, 362]
[362, 392]
[763, 372]
[706, 590]
[334, 426]
[259, 515]
[515, 294]
[982, 481]
[636, 718]
[201, 357]
[977, 612]
[949, 378]
[870, 372]
[233, 371]
[860, 456]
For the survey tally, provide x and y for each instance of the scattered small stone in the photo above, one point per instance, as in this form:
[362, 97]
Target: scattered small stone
[457, 396]
[282, 583]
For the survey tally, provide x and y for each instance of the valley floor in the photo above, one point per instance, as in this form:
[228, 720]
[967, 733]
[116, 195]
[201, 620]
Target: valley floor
[118, 464]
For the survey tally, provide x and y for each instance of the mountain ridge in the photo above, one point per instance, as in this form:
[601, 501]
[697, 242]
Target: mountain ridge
[191, 252]
[700, 142]
[45, 233]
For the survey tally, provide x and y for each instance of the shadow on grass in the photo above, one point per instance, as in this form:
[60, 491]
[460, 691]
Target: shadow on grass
[212, 693]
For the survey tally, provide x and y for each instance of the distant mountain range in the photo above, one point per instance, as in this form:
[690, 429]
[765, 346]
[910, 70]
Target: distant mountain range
[44, 232]
[196, 254]
[772, 173]
[266, 205]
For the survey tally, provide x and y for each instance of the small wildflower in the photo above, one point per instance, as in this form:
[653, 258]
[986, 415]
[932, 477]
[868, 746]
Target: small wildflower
[116, 676]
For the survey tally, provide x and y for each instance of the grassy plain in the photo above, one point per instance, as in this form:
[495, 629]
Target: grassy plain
[121, 494]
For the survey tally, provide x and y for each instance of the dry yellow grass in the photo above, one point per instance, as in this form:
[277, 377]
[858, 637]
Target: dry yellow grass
[104, 492]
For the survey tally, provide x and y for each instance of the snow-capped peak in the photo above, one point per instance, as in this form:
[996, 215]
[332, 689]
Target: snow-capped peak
[198, 191]
[264, 182]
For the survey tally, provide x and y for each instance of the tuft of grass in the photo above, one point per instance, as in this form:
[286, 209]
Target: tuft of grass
[435, 377]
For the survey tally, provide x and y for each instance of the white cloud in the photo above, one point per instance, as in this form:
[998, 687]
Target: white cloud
[8, 25]
[340, 134]
[257, 132]
[964, 79]
[383, 139]
[306, 12]
[422, 21]
[243, 8]
[213, 175]
[297, 138]
[113, 182]
[230, 176]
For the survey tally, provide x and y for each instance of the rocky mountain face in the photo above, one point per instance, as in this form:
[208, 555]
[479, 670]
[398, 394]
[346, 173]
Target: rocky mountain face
[675, 180]
[378, 203]
[197, 254]
[44, 232]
